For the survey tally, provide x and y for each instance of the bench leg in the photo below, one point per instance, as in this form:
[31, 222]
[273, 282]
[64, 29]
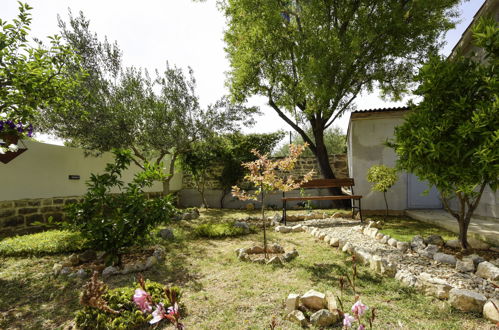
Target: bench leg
[360, 212]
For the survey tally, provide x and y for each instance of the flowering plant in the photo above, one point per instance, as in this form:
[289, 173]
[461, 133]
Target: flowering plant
[358, 310]
[9, 126]
[10, 133]
[144, 301]
[263, 174]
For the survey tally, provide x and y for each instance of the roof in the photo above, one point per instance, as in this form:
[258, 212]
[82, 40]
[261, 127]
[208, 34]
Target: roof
[382, 109]
[488, 7]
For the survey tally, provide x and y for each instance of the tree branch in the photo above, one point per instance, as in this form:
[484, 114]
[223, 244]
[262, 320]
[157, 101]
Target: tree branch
[281, 114]
[445, 201]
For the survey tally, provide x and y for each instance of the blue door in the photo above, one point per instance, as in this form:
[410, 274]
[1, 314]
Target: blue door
[415, 197]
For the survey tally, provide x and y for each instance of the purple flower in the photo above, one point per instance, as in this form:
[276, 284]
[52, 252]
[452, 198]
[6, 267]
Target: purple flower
[359, 308]
[347, 320]
[143, 300]
[361, 327]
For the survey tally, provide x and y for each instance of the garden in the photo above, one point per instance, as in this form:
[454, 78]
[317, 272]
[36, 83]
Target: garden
[123, 255]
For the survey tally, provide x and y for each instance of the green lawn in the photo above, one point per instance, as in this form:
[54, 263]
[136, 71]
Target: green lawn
[221, 292]
[405, 228]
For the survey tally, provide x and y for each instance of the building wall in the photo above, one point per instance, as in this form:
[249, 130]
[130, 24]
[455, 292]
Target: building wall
[366, 138]
[36, 184]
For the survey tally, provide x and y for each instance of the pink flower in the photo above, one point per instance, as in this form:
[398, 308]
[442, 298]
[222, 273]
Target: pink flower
[347, 320]
[359, 308]
[158, 314]
[361, 327]
[143, 300]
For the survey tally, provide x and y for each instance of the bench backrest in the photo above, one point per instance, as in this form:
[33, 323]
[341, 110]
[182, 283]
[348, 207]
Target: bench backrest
[329, 183]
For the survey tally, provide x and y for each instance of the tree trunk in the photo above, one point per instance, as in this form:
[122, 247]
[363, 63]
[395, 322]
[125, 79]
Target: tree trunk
[264, 223]
[171, 171]
[322, 157]
[463, 232]
[386, 205]
[224, 193]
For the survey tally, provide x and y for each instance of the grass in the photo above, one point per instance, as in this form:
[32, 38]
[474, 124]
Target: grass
[44, 243]
[405, 228]
[221, 292]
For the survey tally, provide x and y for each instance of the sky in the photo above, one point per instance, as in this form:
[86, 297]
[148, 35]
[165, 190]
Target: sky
[184, 33]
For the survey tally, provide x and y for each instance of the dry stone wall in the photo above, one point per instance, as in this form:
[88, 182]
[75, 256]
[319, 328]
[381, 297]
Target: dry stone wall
[19, 215]
[303, 166]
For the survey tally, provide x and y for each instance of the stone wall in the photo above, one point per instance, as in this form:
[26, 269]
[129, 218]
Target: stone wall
[303, 166]
[19, 215]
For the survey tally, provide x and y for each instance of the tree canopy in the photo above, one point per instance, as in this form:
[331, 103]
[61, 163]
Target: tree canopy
[32, 76]
[123, 107]
[311, 59]
[451, 137]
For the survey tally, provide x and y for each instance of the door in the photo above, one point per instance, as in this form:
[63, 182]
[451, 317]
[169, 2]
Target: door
[415, 197]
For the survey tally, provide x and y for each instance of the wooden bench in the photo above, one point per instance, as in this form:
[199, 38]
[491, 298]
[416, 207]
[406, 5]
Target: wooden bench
[323, 184]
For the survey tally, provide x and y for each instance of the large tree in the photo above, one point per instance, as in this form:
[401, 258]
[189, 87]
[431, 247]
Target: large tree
[451, 138]
[32, 76]
[311, 59]
[124, 107]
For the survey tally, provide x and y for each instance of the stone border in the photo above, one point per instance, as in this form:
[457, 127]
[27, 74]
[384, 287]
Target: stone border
[464, 300]
[243, 254]
[134, 267]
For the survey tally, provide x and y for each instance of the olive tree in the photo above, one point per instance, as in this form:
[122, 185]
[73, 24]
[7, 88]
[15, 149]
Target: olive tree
[451, 137]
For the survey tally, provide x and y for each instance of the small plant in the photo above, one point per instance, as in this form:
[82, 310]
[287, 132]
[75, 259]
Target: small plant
[127, 307]
[220, 230]
[113, 222]
[383, 178]
[263, 174]
[358, 308]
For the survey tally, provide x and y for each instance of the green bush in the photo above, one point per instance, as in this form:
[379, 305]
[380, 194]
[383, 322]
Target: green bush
[220, 230]
[120, 299]
[112, 222]
[48, 242]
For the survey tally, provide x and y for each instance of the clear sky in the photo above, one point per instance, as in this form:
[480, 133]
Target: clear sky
[184, 33]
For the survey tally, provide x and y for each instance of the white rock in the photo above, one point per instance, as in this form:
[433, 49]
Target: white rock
[151, 261]
[435, 240]
[490, 310]
[331, 302]
[362, 256]
[297, 228]
[402, 246]
[322, 235]
[445, 258]
[375, 263]
[465, 266]
[108, 271]
[322, 318]
[313, 299]
[392, 242]
[379, 236]
[453, 243]
[406, 277]
[488, 271]
[327, 239]
[297, 317]
[385, 239]
[433, 286]
[335, 242]
[466, 300]
[274, 261]
[417, 243]
[292, 302]
[56, 269]
[388, 268]
[348, 248]
[283, 229]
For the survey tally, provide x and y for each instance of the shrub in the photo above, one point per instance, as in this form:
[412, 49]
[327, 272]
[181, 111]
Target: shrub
[383, 178]
[48, 242]
[220, 230]
[120, 300]
[114, 222]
